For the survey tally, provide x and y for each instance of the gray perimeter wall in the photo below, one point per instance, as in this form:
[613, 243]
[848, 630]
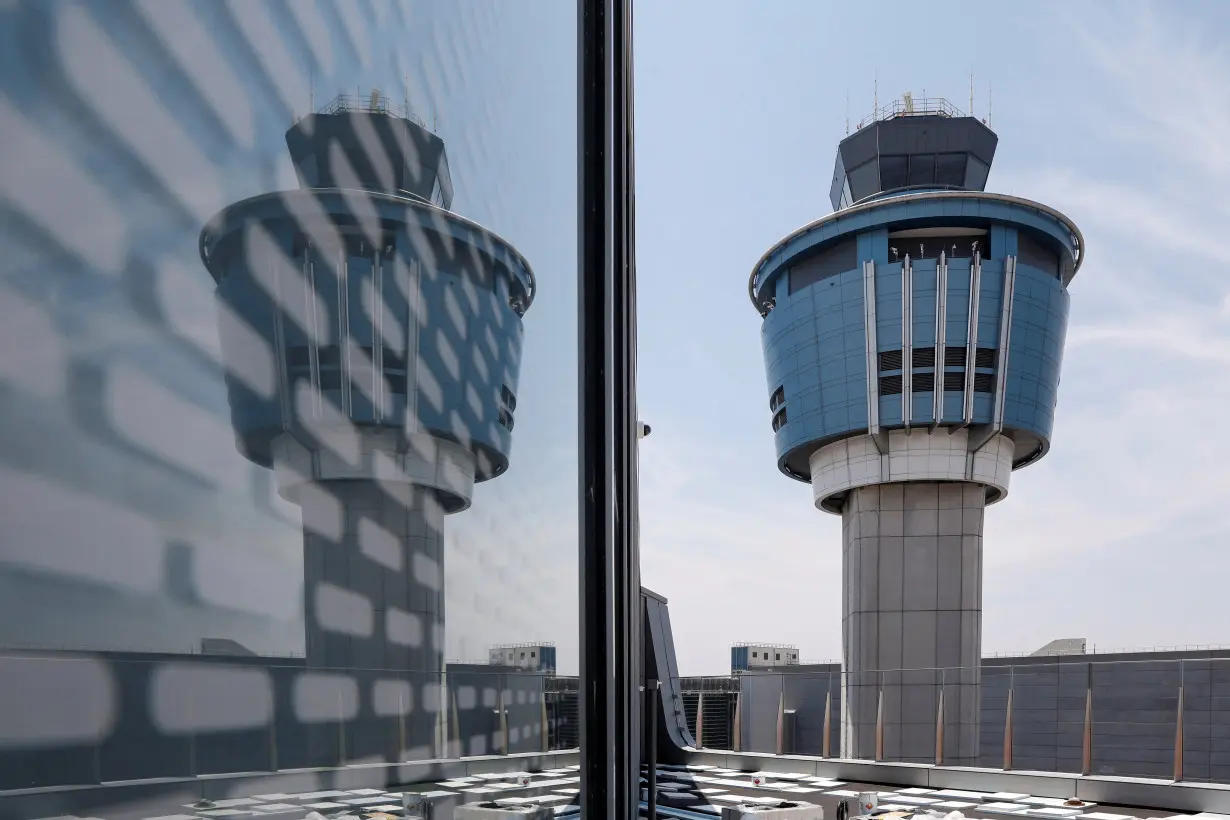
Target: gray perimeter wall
[1135, 706]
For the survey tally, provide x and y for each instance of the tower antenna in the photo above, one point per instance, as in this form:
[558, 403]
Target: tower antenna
[311, 89]
[971, 91]
[990, 99]
[847, 112]
[875, 100]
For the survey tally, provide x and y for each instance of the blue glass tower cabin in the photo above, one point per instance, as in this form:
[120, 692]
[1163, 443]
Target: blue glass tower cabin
[912, 341]
[393, 330]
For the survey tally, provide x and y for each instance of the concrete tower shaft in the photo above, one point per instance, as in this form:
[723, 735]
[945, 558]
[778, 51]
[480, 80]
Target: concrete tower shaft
[913, 342]
[390, 329]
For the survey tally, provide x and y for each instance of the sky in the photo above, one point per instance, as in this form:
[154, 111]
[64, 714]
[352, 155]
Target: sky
[1116, 114]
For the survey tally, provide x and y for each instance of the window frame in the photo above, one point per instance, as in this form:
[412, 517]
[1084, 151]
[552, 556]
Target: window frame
[609, 563]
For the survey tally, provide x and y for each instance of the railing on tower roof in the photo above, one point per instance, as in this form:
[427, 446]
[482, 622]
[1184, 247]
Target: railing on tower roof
[527, 645]
[909, 106]
[769, 644]
[373, 103]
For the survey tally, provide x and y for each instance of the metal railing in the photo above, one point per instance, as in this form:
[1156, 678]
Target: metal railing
[759, 644]
[528, 645]
[912, 107]
[372, 103]
[1094, 649]
[1165, 719]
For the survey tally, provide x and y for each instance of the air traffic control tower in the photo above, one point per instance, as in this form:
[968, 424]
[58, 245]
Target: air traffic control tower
[372, 340]
[912, 342]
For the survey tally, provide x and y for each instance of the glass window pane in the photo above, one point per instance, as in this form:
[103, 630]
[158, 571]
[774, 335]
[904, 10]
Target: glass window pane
[922, 169]
[950, 169]
[863, 181]
[894, 172]
[287, 429]
[976, 174]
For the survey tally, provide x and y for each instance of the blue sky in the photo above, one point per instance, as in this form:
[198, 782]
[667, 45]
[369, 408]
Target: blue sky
[1117, 114]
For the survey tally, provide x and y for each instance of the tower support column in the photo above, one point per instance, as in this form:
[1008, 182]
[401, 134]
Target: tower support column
[373, 567]
[373, 594]
[912, 619]
[373, 603]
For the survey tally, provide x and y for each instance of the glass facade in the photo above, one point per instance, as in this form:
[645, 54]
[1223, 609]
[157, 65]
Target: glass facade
[279, 281]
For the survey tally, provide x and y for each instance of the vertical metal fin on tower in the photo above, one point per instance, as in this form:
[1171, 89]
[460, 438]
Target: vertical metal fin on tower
[1005, 339]
[907, 341]
[941, 328]
[873, 368]
[971, 346]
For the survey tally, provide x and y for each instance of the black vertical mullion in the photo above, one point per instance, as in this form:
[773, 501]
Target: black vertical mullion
[597, 769]
[609, 569]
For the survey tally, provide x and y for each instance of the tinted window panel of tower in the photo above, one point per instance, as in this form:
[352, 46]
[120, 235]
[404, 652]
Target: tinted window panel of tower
[862, 181]
[922, 169]
[278, 391]
[839, 181]
[976, 172]
[950, 169]
[894, 172]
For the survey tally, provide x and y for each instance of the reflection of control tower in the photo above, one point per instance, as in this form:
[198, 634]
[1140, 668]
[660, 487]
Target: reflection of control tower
[912, 343]
[387, 331]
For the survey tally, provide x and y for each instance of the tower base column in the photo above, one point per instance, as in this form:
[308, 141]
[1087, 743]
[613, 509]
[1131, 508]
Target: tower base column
[374, 619]
[912, 620]
[373, 571]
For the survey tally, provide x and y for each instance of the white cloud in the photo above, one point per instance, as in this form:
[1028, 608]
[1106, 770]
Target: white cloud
[1168, 76]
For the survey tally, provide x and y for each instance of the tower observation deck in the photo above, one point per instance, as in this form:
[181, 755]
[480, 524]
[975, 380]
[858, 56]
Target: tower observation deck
[392, 328]
[913, 341]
